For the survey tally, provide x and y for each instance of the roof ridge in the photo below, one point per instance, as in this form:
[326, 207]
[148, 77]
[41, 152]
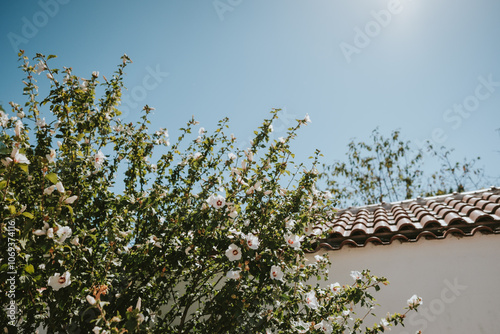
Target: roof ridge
[419, 199]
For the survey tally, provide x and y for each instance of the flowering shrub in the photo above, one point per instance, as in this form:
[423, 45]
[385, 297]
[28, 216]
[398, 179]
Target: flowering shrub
[208, 239]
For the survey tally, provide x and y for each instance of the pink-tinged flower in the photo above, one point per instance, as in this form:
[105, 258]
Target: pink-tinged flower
[276, 273]
[71, 199]
[414, 301]
[335, 287]
[293, 240]
[356, 275]
[58, 281]
[49, 190]
[252, 241]
[233, 252]
[63, 233]
[216, 201]
[98, 159]
[95, 74]
[60, 187]
[91, 300]
[233, 274]
[311, 300]
[18, 127]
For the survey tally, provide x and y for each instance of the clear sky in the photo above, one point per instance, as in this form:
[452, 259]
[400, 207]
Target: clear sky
[428, 67]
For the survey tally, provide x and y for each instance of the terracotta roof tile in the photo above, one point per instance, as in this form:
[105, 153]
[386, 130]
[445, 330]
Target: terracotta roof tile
[437, 217]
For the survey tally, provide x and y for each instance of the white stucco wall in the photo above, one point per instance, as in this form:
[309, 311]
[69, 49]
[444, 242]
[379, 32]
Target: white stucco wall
[458, 279]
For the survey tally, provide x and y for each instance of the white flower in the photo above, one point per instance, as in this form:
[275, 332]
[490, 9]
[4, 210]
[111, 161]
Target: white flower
[60, 187]
[49, 190]
[231, 156]
[98, 159]
[95, 74]
[301, 326]
[50, 233]
[252, 241]
[355, 275]
[325, 326]
[63, 233]
[233, 252]
[83, 85]
[319, 258]
[233, 274]
[96, 330]
[271, 129]
[197, 155]
[138, 304]
[91, 300]
[311, 300]
[3, 118]
[201, 131]
[276, 273]
[335, 287]
[307, 119]
[293, 240]
[40, 67]
[18, 127]
[414, 301]
[70, 200]
[16, 157]
[216, 201]
[75, 241]
[249, 155]
[385, 324]
[51, 156]
[233, 214]
[41, 123]
[39, 232]
[59, 281]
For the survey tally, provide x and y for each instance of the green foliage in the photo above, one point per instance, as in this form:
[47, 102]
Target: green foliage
[389, 170]
[208, 239]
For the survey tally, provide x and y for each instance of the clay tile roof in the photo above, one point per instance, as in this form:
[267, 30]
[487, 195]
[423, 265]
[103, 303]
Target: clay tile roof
[457, 214]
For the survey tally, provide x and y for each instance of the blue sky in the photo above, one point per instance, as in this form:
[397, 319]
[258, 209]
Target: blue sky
[428, 67]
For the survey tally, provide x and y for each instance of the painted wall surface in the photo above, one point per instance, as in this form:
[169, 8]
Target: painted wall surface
[458, 279]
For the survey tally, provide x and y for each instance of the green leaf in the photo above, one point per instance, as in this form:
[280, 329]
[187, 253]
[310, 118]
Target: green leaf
[4, 149]
[51, 56]
[24, 167]
[3, 184]
[52, 177]
[29, 269]
[29, 215]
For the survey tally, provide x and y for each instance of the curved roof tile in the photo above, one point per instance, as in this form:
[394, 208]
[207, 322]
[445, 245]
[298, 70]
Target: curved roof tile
[409, 221]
